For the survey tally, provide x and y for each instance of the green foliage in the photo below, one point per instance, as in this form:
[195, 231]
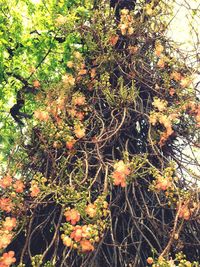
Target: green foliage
[34, 46]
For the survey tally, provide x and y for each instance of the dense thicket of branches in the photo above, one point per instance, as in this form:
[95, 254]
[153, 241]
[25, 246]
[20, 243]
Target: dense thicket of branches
[110, 134]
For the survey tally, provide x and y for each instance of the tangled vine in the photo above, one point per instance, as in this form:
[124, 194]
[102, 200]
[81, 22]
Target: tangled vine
[100, 178]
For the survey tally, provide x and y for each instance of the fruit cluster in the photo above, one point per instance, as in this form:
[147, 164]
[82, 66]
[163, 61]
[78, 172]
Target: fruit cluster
[179, 261]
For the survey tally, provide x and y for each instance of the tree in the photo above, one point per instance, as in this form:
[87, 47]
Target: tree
[98, 176]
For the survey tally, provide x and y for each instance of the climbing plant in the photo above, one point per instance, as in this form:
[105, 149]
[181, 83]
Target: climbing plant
[99, 108]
